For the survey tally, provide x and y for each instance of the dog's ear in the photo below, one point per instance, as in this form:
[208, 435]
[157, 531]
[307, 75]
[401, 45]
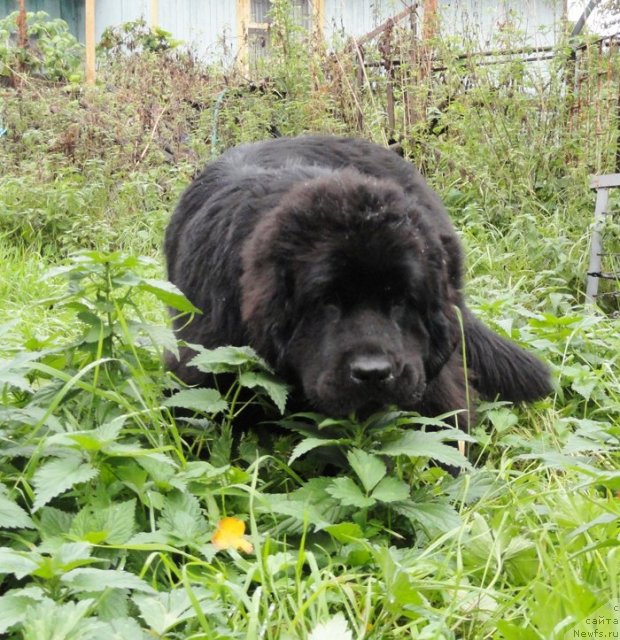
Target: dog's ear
[265, 298]
[444, 259]
[500, 367]
[443, 331]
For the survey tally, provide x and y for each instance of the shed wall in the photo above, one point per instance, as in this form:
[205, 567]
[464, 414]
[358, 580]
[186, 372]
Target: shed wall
[210, 25]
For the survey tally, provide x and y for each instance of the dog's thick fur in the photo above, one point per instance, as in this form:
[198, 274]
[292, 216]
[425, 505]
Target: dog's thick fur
[334, 259]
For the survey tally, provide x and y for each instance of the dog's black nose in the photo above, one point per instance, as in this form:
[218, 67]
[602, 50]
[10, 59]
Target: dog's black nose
[371, 369]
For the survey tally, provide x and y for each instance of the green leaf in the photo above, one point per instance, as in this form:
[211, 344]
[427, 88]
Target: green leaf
[275, 389]
[165, 610]
[12, 516]
[71, 555]
[90, 579]
[203, 400]
[420, 444]
[58, 475]
[49, 621]
[334, 628]
[161, 469]
[169, 294]
[14, 604]
[54, 523]
[227, 359]
[160, 336]
[182, 517]
[391, 490]
[20, 564]
[584, 387]
[502, 419]
[510, 631]
[299, 510]
[346, 532]
[221, 449]
[113, 524]
[308, 444]
[369, 469]
[98, 330]
[433, 516]
[124, 629]
[13, 378]
[349, 494]
[91, 439]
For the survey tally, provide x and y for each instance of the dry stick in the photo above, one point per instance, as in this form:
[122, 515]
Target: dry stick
[152, 136]
[360, 58]
[393, 20]
[351, 90]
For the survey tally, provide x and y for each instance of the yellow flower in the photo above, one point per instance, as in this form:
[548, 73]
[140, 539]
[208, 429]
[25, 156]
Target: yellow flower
[229, 535]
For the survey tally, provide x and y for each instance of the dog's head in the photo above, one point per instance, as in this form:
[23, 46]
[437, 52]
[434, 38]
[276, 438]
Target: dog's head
[346, 292]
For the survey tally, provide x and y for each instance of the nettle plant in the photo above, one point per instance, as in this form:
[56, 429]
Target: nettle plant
[105, 477]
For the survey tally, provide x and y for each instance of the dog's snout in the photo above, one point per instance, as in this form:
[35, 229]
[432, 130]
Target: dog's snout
[371, 369]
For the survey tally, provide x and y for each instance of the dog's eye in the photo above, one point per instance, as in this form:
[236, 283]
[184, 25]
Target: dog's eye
[388, 289]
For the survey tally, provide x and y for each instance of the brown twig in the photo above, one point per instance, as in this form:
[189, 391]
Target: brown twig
[152, 136]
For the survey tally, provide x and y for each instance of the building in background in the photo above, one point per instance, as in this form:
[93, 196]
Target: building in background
[216, 28]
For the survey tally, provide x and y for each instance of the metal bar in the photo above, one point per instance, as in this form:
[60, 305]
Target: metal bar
[482, 63]
[488, 63]
[596, 243]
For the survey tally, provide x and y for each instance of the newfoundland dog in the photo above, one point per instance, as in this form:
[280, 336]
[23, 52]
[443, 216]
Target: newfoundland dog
[338, 264]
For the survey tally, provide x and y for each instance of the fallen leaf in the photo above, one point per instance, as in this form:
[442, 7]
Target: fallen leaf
[230, 535]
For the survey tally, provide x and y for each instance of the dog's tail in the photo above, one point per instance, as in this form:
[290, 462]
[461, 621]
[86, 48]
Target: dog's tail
[500, 367]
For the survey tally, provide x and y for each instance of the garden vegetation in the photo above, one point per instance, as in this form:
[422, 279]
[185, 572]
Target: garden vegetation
[120, 520]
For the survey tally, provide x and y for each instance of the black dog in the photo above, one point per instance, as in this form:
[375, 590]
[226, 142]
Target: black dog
[335, 260]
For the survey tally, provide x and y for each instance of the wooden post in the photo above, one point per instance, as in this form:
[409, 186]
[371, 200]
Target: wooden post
[602, 184]
[243, 18]
[429, 21]
[154, 14]
[387, 60]
[89, 33]
[319, 16]
[22, 27]
[596, 245]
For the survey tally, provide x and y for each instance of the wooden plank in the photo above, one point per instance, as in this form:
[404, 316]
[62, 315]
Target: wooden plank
[89, 34]
[382, 27]
[319, 15]
[596, 244]
[22, 28]
[154, 14]
[429, 20]
[605, 181]
[243, 21]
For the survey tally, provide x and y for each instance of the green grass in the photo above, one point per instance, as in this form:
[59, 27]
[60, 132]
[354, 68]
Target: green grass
[109, 504]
